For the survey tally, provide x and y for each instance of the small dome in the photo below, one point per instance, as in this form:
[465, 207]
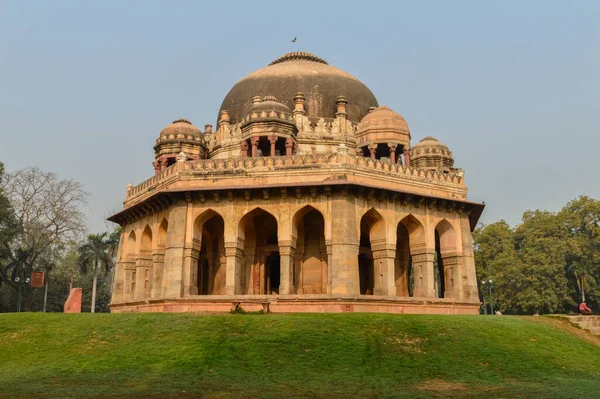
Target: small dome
[180, 127]
[384, 117]
[268, 103]
[382, 125]
[430, 153]
[266, 109]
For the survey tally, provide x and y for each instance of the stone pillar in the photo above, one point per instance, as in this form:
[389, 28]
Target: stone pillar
[118, 288]
[244, 149]
[373, 150]
[289, 144]
[392, 147]
[383, 272]
[359, 152]
[451, 263]
[172, 286]
[143, 266]
[406, 156]
[129, 274]
[190, 271]
[158, 263]
[157, 168]
[423, 274]
[344, 245]
[272, 141]
[286, 269]
[467, 274]
[234, 253]
[254, 144]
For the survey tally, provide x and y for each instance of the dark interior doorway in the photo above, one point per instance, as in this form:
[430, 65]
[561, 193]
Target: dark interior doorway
[272, 273]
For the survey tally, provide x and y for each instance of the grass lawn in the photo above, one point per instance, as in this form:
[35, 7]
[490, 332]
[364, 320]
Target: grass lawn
[297, 355]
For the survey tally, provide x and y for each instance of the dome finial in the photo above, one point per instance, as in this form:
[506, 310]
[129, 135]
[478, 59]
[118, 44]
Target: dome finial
[299, 56]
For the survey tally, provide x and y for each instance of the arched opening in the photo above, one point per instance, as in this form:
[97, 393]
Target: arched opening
[371, 233]
[438, 269]
[159, 258]
[210, 266]
[130, 264]
[261, 273]
[143, 270]
[404, 276]
[311, 269]
[410, 234]
[445, 247]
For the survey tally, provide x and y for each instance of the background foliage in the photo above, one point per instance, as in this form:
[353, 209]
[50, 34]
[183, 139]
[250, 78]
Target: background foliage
[536, 265]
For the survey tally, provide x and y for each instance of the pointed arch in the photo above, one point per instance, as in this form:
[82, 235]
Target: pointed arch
[259, 236]
[447, 235]
[310, 274]
[209, 263]
[162, 234]
[372, 235]
[410, 238]
[146, 243]
[131, 242]
[445, 246]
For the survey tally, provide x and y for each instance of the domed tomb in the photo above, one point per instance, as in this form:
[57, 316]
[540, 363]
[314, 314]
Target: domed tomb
[303, 72]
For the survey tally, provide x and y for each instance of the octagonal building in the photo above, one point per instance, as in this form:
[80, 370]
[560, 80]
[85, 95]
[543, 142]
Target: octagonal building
[308, 196]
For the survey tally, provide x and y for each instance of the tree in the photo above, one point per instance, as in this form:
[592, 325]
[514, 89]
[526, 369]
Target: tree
[9, 227]
[96, 254]
[47, 213]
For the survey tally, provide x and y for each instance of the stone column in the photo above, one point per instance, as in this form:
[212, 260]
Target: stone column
[158, 263]
[423, 274]
[452, 264]
[344, 245]
[373, 150]
[143, 265]
[272, 141]
[234, 253]
[467, 274]
[392, 147]
[254, 143]
[286, 265]
[289, 144]
[383, 272]
[156, 165]
[359, 152]
[174, 252]
[406, 156]
[244, 149]
[118, 288]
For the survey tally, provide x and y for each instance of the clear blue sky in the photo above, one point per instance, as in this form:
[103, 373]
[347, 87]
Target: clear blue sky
[512, 87]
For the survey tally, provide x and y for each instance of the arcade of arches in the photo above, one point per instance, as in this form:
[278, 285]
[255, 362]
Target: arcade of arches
[291, 253]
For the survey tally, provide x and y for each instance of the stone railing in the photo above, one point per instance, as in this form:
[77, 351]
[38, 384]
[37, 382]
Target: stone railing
[321, 161]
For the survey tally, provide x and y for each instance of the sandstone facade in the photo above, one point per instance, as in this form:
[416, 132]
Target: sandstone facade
[283, 210]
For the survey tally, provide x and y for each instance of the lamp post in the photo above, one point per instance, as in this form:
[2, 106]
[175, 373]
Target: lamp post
[21, 282]
[490, 284]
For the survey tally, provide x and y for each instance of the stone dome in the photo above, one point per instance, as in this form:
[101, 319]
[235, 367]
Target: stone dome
[429, 153]
[383, 116]
[303, 72]
[181, 128]
[267, 109]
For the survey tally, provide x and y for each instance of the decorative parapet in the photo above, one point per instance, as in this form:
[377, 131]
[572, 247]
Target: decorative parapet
[319, 164]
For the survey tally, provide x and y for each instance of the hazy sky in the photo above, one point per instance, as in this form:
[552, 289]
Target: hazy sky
[512, 87]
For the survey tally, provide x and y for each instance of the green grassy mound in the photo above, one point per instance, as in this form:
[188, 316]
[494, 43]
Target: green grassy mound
[274, 356]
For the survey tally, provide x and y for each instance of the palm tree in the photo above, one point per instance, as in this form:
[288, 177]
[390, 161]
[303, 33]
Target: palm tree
[95, 254]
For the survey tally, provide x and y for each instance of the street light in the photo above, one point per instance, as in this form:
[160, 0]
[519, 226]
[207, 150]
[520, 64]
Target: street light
[490, 284]
[21, 283]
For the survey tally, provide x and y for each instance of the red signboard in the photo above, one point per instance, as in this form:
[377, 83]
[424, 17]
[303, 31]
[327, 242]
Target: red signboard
[37, 279]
